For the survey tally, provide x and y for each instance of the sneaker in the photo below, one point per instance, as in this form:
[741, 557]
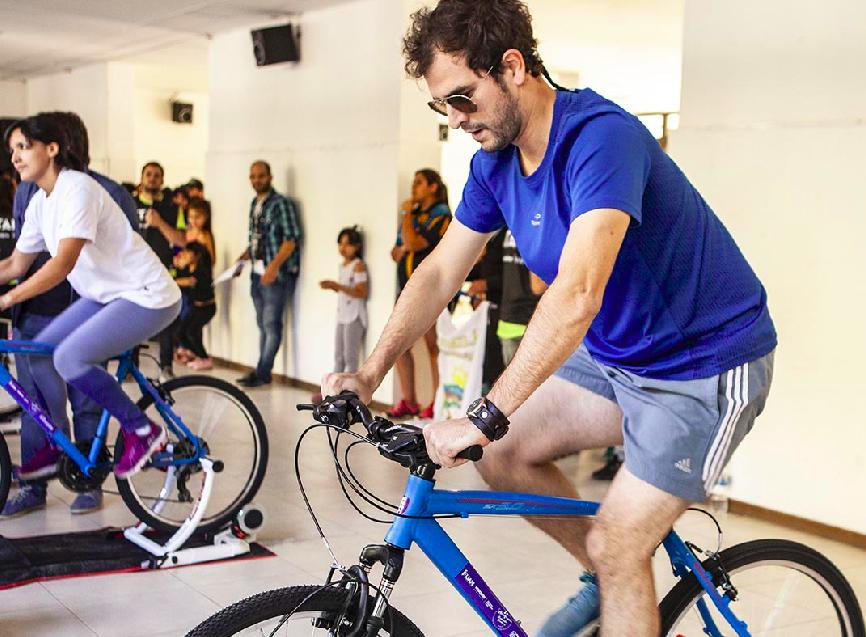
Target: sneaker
[86, 502]
[427, 413]
[27, 499]
[579, 612]
[254, 381]
[43, 464]
[609, 470]
[200, 364]
[137, 450]
[403, 409]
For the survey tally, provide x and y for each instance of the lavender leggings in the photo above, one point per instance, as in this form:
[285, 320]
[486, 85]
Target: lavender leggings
[86, 334]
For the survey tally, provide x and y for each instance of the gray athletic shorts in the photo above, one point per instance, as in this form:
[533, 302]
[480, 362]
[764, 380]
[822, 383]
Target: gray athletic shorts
[679, 434]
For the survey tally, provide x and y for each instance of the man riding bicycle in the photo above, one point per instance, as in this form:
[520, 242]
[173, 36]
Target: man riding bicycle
[654, 332]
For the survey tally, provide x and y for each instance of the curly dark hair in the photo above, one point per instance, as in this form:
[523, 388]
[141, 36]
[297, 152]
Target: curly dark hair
[50, 128]
[480, 29]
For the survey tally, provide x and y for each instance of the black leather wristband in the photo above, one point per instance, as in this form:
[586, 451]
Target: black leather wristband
[487, 417]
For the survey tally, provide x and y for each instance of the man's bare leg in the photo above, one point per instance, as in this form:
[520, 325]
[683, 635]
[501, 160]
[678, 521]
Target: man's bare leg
[433, 352]
[406, 375]
[633, 520]
[559, 419]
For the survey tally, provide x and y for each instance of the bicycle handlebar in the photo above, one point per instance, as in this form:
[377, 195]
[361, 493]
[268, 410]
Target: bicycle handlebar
[401, 442]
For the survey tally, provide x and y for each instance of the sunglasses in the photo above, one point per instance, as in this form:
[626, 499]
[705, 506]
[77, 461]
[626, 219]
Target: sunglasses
[462, 103]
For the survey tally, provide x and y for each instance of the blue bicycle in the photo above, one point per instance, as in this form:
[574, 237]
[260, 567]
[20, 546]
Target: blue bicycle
[210, 424]
[764, 587]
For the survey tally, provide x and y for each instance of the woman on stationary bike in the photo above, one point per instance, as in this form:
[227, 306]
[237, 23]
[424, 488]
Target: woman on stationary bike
[126, 293]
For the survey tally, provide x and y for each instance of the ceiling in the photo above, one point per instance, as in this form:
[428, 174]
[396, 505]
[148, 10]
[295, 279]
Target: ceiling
[573, 34]
[45, 36]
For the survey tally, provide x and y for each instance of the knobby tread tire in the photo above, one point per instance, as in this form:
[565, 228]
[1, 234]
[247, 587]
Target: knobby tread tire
[276, 603]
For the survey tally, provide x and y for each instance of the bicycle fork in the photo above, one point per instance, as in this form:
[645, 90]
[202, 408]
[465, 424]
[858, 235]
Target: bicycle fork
[367, 621]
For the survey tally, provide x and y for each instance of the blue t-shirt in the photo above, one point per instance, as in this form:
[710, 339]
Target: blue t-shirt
[681, 302]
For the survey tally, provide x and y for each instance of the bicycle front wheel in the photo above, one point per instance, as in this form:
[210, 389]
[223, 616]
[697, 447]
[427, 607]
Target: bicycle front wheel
[783, 589]
[295, 612]
[230, 426]
[5, 472]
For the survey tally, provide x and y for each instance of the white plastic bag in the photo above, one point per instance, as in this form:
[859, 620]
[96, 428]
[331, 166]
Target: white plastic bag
[461, 361]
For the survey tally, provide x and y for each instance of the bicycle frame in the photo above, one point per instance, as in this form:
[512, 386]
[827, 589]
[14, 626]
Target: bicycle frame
[422, 501]
[90, 462]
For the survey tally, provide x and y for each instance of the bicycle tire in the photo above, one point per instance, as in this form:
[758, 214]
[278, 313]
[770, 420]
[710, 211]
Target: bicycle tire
[5, 471]
[278, 603]
[253, 418]
[776, 553]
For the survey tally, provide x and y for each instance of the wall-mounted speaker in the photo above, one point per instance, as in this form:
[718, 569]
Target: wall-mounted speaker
[181, 112]
[277, 44]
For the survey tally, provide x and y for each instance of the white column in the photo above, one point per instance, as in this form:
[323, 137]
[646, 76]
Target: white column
[773, 133]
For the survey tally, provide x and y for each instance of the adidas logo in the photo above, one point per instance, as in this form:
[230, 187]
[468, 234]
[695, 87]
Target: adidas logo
[684, 465]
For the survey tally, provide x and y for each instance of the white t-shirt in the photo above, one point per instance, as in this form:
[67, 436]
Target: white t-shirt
[115, 262]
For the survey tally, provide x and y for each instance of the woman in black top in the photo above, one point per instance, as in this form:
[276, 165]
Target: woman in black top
[195, 279]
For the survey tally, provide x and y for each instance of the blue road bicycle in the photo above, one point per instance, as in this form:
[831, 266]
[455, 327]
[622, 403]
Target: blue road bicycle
[764, 587]
[210, 423]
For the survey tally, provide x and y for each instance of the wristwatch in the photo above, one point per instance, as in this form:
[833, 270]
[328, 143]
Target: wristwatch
[487, 417]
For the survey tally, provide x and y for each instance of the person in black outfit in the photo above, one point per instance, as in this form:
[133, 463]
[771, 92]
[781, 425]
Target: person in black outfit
[152, 199]
[195, 279]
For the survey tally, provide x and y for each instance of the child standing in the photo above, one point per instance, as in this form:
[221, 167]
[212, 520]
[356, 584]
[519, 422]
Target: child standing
[196, 313]
[351, 289]
[195, 279]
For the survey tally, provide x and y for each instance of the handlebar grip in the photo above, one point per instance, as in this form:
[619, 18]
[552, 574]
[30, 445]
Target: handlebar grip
[472, 453]
[305, 407]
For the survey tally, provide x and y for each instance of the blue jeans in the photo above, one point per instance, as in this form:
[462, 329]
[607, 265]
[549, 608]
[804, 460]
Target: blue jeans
[85, 412]
[270, 302]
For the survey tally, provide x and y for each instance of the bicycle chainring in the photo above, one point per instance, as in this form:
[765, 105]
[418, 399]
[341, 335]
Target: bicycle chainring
[73, 478]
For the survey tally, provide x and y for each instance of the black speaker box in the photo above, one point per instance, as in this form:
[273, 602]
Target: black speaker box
[181, 113]
[276, 44]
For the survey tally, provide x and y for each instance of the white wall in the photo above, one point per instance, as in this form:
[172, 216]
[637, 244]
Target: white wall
[180, 148]
[333, 129]
[126, 110]
[12, 98]
[83, 90]
[773, 133]
[629, 51]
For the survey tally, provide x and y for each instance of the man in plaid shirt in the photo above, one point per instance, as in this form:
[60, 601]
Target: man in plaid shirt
[274, 242]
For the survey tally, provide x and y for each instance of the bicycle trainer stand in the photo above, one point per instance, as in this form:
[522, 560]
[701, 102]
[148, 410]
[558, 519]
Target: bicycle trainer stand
[230, 542]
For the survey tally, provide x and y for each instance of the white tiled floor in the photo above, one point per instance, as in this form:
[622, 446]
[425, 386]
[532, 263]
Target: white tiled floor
[537, 576]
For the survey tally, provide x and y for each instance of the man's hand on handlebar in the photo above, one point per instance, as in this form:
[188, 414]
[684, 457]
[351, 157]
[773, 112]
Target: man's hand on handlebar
[334, 383]
[447, 438]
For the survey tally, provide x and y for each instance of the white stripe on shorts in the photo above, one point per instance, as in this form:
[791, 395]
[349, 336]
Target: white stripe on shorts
[744, 400]
[736, 398]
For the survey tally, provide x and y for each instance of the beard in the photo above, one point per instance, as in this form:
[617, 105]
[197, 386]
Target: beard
[504, 125]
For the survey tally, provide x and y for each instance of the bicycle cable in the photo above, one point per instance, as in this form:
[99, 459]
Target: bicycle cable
[720, 536]
[358, 489]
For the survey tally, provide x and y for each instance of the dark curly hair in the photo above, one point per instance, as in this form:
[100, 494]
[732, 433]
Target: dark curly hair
[49, 128]
[482, 30]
